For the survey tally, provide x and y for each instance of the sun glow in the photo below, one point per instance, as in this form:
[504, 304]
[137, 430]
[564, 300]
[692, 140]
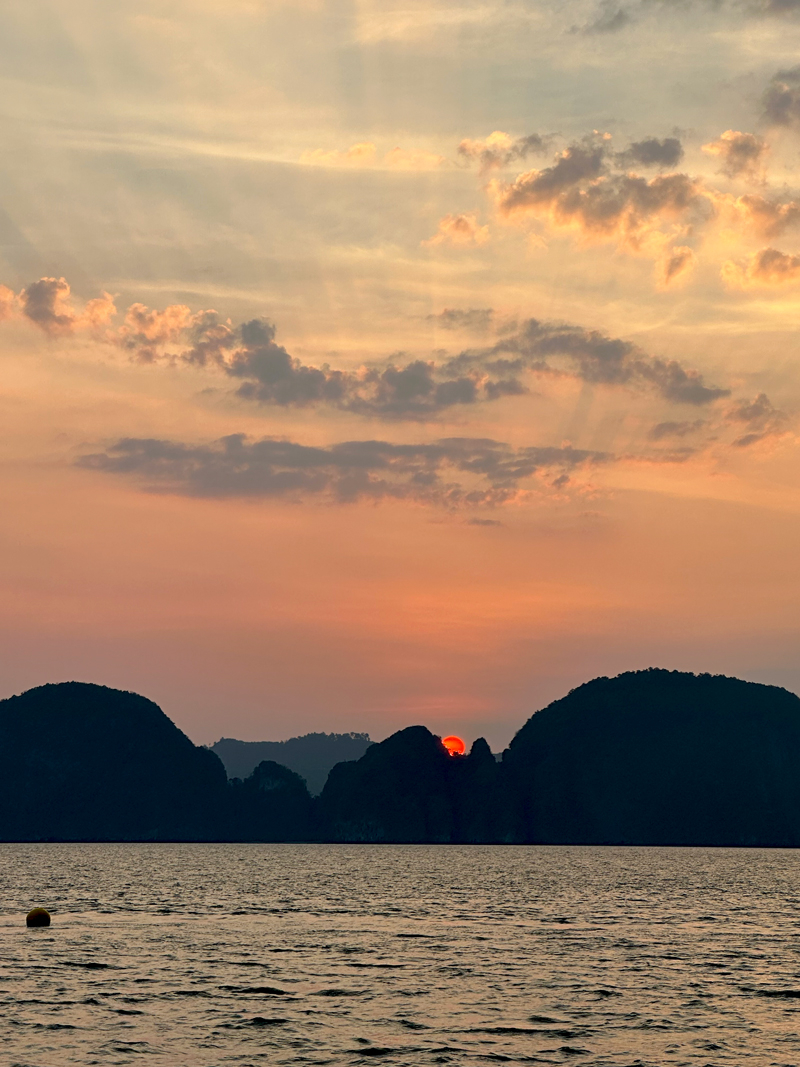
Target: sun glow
[454, 745]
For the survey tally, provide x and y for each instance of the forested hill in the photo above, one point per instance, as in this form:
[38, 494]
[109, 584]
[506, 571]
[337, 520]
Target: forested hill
[648, 758]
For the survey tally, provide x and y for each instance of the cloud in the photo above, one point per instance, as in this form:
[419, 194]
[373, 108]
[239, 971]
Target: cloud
[422, 389]
[477, 319]
[362, 154]
[147, 332]
[577, 163]
[611, 18]
[578, 193]
[777, 7]
[416, 389]
[652, 152]
[268, 374]
[767, 218]
[9, 303]
[760, 418]
[412, 389]
[46, 303]
[412, 159]
[499, 149]
[675, 429]
[742, 154]
[453, 472]
[781, 99]
[459, 230]
[365, 154]
[769, 267]
[675, 266]
[556, 348]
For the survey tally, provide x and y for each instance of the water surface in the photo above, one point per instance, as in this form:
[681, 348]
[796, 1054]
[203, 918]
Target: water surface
[202, 955]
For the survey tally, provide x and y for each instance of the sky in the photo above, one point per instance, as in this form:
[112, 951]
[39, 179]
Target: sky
[369, 363]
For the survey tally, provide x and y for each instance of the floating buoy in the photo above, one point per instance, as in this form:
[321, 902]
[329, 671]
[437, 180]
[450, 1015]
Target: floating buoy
[37, 917]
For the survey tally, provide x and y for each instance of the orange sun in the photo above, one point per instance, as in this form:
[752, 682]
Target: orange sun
[454, 745]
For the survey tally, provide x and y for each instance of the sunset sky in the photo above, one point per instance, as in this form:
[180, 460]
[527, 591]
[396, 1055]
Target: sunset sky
[370, 363]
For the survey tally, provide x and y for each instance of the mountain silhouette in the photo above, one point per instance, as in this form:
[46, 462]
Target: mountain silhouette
[271, 804]
[650, 757]
[659, 757]
[81, 762]
[311, 756]
[409, 788]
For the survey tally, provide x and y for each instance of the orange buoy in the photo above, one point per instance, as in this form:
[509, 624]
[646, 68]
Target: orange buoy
[37, 917]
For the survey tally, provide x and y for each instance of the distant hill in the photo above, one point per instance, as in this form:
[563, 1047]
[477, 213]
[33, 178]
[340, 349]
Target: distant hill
[311, 756]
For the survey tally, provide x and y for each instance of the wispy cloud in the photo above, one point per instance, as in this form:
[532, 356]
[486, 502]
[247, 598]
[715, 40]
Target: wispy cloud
[364, 154]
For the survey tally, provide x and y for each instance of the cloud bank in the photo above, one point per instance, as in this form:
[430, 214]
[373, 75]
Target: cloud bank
[453, 472]
[417, 389]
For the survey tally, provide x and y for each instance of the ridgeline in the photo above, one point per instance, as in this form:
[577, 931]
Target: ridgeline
[648, 758]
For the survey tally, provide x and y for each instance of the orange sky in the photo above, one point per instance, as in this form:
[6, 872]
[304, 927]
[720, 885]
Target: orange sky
[368, 363]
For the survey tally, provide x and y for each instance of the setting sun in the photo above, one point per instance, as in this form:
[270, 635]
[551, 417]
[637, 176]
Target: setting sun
[454, 745]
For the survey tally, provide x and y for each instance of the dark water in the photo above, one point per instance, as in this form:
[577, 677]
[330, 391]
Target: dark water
[312, 954]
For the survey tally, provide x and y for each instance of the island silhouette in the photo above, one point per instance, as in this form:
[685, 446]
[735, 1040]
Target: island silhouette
[651, 757]
[311, 756]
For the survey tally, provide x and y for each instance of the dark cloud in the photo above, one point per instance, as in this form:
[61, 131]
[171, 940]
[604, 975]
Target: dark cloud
[675, 429]
[652, 152]
[275, 377]
[413, 389]
[416, 389]
[499, 149]
[781, 100]
[591, 356]
[581, 192]
[676, 264]
[759, 417]
[421, 390]
[741, 154]
[456, 471]
[576, 164]
[46, 303]
[42, 302]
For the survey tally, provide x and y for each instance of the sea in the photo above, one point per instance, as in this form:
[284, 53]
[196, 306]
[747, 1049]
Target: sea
[204, 955]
